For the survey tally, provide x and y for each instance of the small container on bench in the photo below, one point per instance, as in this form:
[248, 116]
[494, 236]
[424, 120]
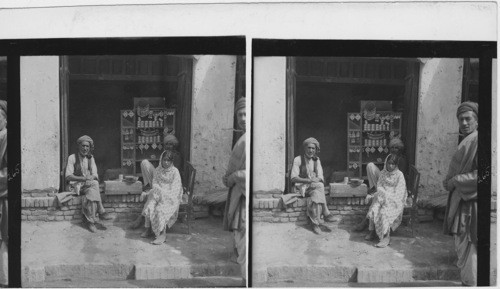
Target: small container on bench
[347, 190]
[122, 188]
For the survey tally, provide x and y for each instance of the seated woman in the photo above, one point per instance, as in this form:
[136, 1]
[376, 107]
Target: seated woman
[307, 177]
[161, 208]
[170, 143]
[396, 147]
[386, 210]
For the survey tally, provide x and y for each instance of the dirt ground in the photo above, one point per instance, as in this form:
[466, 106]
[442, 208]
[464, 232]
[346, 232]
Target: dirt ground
[293, 253]
[62, 250]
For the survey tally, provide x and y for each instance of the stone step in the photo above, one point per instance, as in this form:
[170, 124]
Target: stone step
[333, 284]
[359, 275]
[115, 272]
[204, 282]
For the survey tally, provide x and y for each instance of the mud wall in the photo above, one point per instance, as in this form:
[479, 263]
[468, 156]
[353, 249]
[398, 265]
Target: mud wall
[494, 135]
[40, 129]
[212, 119]
[269, 116]
[440, 93]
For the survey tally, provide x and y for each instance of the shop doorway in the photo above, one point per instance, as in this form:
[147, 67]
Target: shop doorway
[321, 91]
[95, 90]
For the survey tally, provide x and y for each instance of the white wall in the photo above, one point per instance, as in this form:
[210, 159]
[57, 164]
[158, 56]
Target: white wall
[212, 119]
[494, 128]
[269, 124]
[440, 94]
[40, 125]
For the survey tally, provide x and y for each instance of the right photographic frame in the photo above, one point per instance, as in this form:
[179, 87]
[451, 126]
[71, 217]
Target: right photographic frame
[372, 163]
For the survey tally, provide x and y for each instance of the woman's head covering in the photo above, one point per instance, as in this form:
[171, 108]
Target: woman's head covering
[168, 154]
[241, 103]
[85, 138]
[311, 140]
[468, 106]
[396, 142]
[170, 138]
[3, 106]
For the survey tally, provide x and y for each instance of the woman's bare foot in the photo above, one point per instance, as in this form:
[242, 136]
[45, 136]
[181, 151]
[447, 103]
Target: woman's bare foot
[160, 239]
[386, 241]
[371, 236]
[147, 233]
[137, 223]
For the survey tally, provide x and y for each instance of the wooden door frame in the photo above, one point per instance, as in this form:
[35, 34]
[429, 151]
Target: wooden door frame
[291, 82]
[186, 91]
[410, 112]
[63, 102]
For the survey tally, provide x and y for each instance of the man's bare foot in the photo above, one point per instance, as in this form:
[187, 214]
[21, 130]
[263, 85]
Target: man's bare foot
[160, 239]
[147, 233]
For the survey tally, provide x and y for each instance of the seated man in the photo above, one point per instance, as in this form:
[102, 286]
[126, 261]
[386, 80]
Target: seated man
[170, 143]
[81, 173]
[307, 179]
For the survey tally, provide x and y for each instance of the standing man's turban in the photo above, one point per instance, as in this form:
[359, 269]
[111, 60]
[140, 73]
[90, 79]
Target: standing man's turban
[241, 103]
[468, 106]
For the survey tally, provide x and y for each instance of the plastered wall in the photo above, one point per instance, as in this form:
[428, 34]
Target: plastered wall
[440, 94]
[40, 129]
[269, 122]
[212, 119]
[494, 120]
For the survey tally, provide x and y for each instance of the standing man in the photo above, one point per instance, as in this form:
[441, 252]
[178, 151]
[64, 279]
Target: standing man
[234, 179]
[81, 173]
[461, 181]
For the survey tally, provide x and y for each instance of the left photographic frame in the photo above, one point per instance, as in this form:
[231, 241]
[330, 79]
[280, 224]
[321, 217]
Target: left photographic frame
[127, 180]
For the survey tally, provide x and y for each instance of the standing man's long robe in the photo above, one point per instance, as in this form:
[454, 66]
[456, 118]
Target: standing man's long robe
[235, 210]
[461, 210]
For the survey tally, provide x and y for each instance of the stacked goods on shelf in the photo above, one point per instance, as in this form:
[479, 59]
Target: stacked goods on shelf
[368, 138]
[142, 132]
